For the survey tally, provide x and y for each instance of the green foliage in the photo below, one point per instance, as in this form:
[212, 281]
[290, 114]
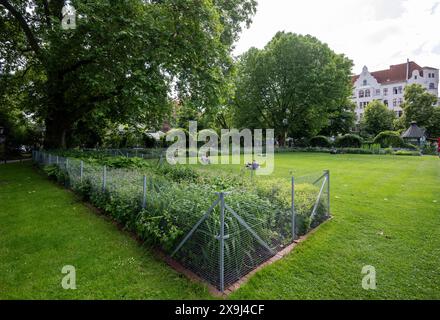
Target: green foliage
[349, 141]
[388, 139]
[430, 149]
[377, 118]
[373, 147]
[320, 141]
[133, 54]
[419, 106]
[407, 153]
[56, 174]
[295, 77]
[177, 196]
[341, 121]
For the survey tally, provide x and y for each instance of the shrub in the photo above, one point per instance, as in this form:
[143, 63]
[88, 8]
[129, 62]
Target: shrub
[56, 174]
[410, 146]
[429, 150]
[388, 139]
[349, 141]
[320, 141]
[355, 151]
[407, 153]
[149, 141]
[374, 148]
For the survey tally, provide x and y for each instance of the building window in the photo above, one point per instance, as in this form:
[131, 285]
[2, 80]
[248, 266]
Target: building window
[377, 92]
[361, 93]
[395, 90]
[385, 91]
[365, 83]
[415, 77]
[431, 86]
[385, 102]
[367, 93]
[400, 90]
[400, 101]
[394, 102]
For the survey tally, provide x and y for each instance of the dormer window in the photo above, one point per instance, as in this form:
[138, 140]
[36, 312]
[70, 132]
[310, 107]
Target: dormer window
[365, 83]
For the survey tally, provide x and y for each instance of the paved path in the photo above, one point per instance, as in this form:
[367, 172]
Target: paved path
[14, 161]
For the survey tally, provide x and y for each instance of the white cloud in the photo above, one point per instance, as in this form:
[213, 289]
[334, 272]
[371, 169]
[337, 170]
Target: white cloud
[376, 33]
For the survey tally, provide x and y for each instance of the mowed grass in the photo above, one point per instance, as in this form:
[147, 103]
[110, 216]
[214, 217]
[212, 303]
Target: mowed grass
[386, 214]
[43, 228]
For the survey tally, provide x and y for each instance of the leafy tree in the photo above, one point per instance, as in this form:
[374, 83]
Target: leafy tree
[293, 85]
[420, 106]
[341, 121]
[121, 61]
[434, 126]
[377, 118]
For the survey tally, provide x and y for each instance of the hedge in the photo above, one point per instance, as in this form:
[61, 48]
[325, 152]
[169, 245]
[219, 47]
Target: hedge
[320, 141]
[349, 141]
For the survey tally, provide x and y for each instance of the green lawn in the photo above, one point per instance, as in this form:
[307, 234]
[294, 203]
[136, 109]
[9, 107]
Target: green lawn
[386, 214]
[43, 228]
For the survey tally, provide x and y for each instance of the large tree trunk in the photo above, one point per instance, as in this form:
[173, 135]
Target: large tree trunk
[56, 133]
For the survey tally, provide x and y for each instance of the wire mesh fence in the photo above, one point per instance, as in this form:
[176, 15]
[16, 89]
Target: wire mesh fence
[222, 236]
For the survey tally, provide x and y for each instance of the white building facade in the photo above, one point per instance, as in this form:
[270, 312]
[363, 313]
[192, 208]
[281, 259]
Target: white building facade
[388, 85]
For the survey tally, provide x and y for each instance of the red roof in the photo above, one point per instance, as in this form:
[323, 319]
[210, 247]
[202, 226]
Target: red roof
[396, 73]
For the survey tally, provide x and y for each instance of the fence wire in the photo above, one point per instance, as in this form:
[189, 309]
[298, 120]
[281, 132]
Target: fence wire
[223, 237]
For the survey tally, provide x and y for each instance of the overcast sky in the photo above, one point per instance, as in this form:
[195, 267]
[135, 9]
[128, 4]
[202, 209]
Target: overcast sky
[376, 33]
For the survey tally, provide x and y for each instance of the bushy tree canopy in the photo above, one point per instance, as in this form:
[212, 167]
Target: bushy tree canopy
[294, 85]
[420, 106]
[377, 118]
[121, 62]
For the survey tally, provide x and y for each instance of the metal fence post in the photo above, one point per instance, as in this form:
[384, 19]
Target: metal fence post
[328, 192]
[222, 241]
[81, 170]
[67, 163]
[58, 160]
[104, 178]
[293, 209]
[144, 195]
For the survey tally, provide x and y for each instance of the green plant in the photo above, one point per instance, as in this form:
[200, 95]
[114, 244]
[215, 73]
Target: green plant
[407, 153]
[429, 149]
[56, 174]
[388, 139]
[320, 141]
[349, 141]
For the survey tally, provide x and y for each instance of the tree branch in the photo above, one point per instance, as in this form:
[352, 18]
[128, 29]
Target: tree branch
[76, 66]
[47, 13]
[33, 43]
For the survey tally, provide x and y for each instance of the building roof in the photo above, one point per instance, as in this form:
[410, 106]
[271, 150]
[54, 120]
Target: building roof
[396, 73]
[414, 132]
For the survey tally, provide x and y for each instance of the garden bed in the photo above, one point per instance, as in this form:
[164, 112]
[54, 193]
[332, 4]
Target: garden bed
[221, 237]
